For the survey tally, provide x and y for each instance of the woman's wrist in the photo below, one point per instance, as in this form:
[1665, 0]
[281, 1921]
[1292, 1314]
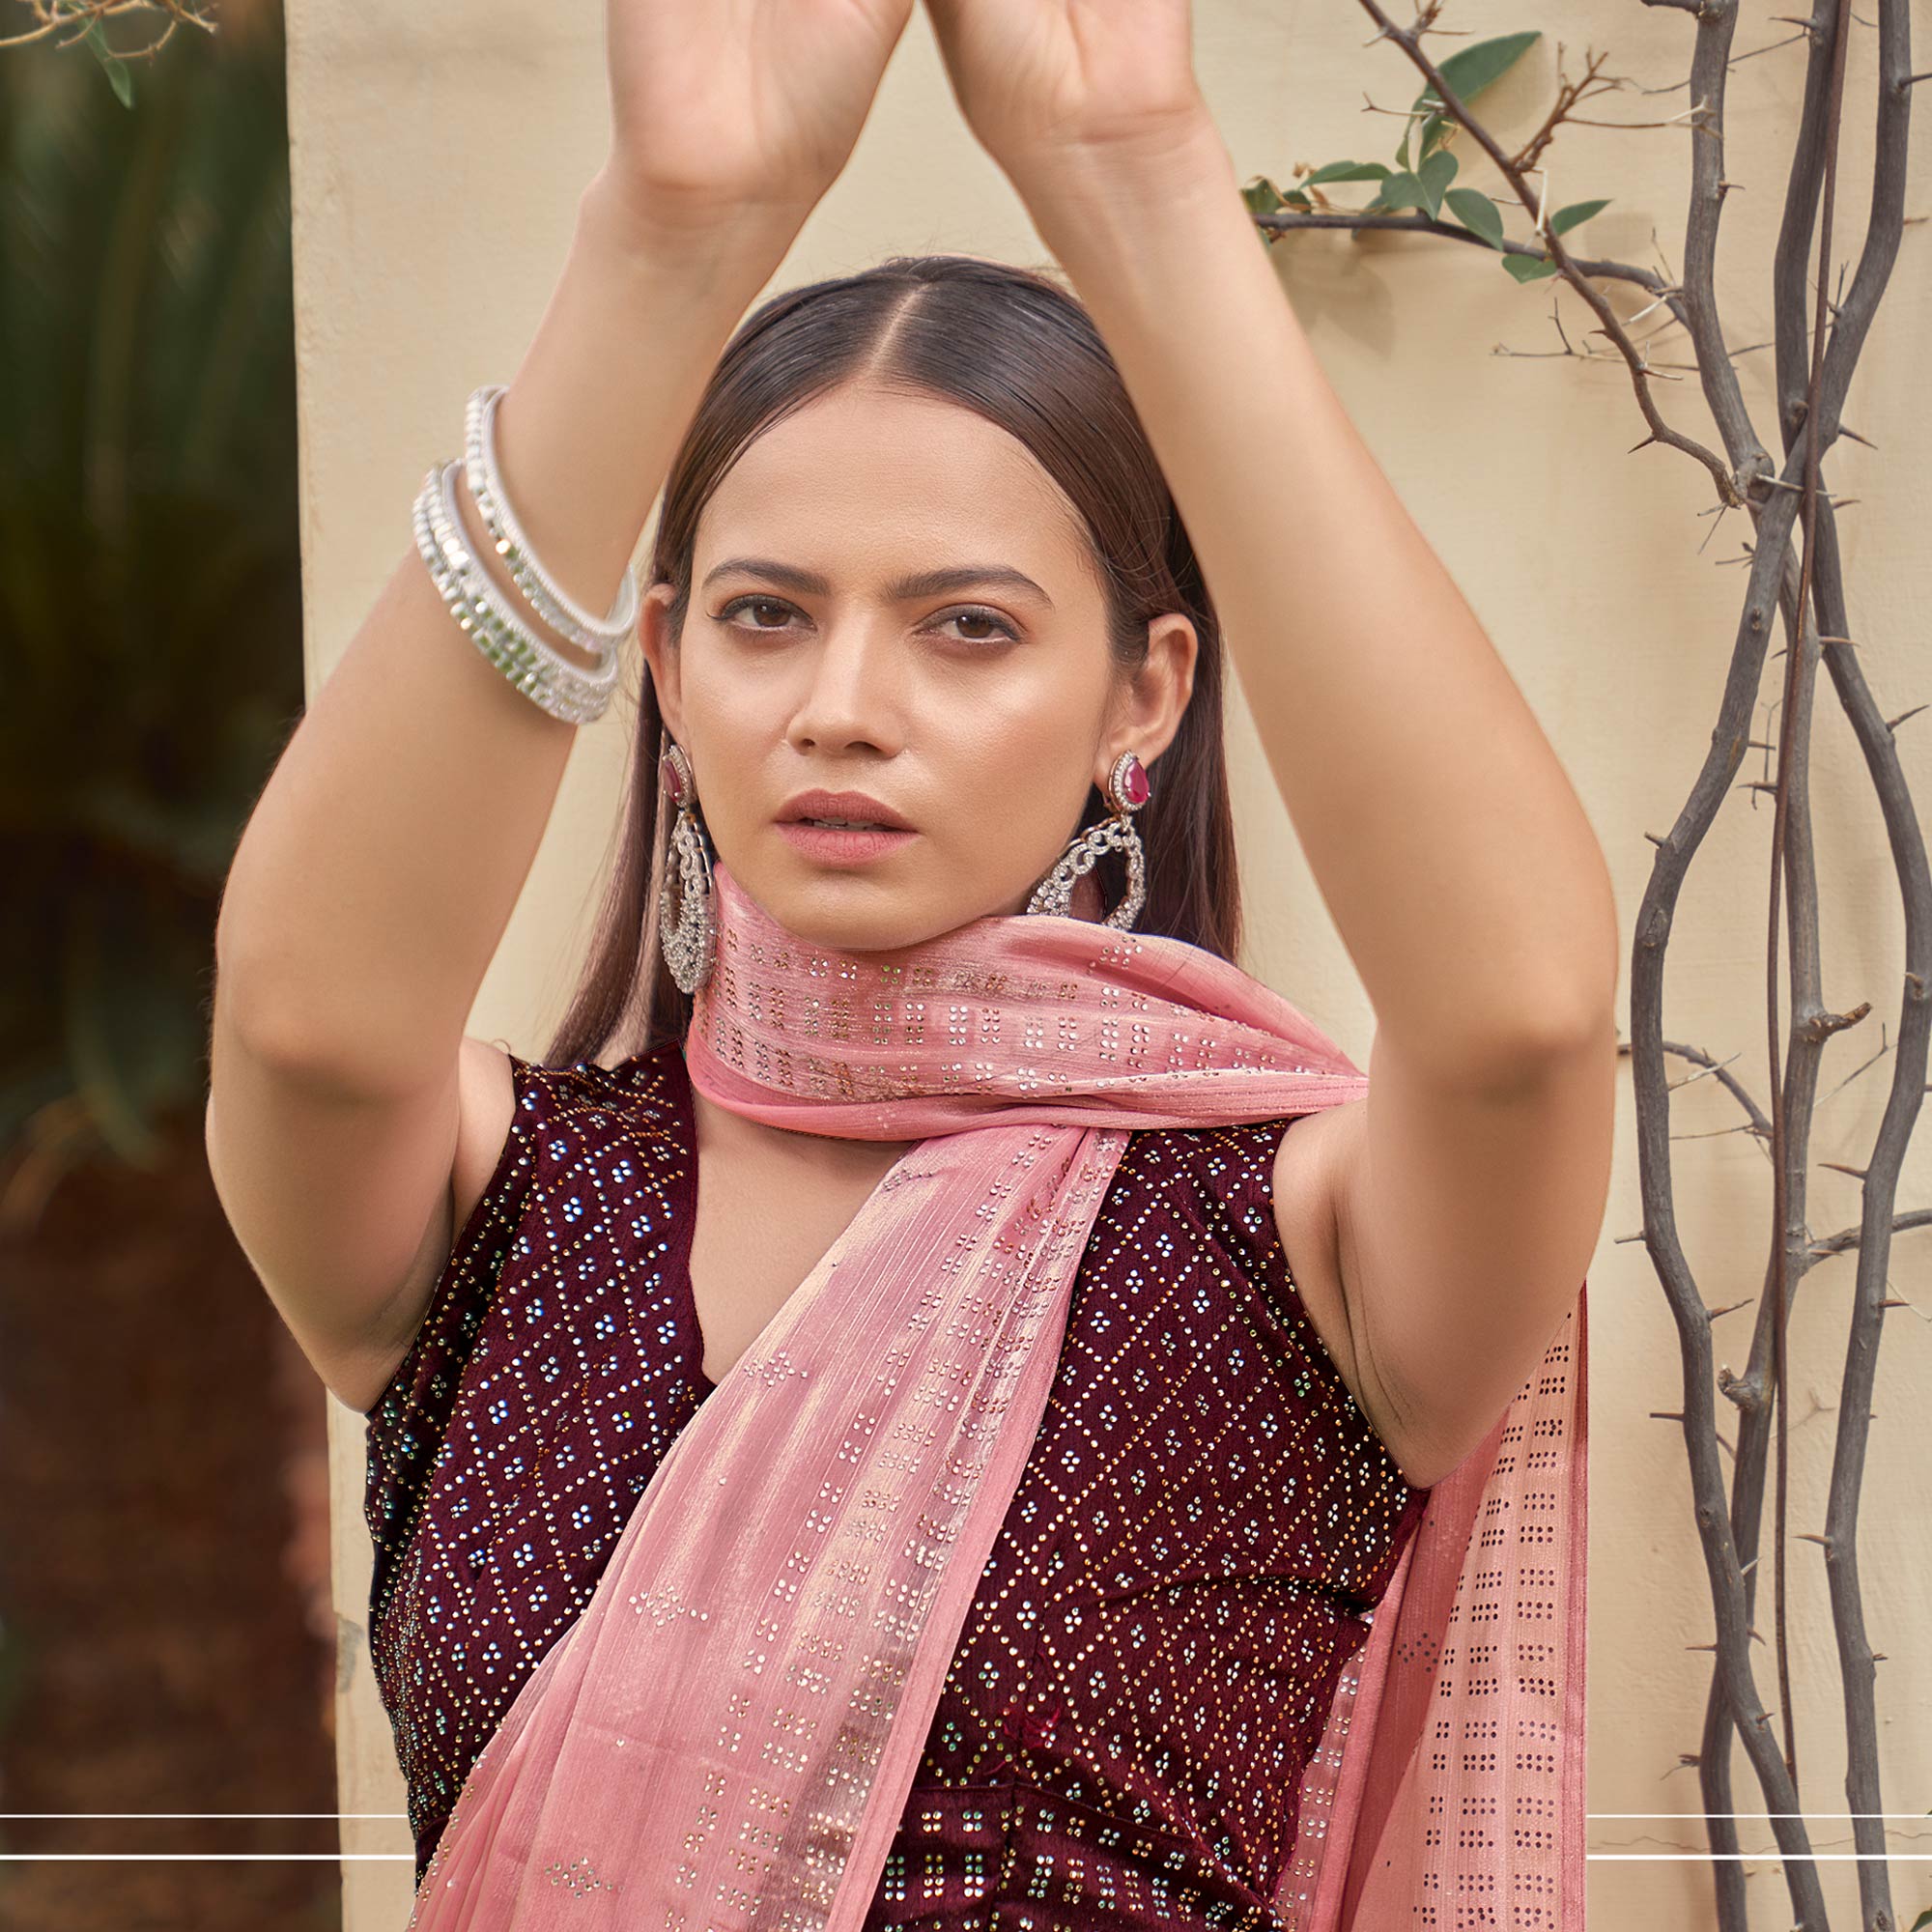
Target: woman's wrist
[1183, 148]
[628, 222]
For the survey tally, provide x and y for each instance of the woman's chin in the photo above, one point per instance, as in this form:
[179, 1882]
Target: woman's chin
[879, 908]
[858, 917]
[853, 911]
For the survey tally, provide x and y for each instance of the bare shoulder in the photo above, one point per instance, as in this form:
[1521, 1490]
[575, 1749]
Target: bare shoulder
[1309, 1159]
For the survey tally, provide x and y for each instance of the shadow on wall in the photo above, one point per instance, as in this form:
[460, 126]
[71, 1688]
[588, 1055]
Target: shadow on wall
[166, 1643]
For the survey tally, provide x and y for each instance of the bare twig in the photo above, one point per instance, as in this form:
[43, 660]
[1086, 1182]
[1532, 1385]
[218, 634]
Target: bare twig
[78, 16]
[1410, 39]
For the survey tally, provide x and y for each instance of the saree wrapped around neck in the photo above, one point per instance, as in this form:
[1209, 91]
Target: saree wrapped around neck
[724, 1736]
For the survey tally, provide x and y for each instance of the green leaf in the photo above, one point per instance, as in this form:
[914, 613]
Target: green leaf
[1467, 73]
[1472, 68]
[1400, 191]
[1478, 213]
[117, 76]
[1423, 189]
[1435, 174]
[1435, 132]
[1529, 267]
[1261, 196]
[1347, 171]
[1578, 212]
[1923, 1919]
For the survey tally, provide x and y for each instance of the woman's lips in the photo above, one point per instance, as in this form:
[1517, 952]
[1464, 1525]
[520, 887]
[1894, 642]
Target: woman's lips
[836, 845]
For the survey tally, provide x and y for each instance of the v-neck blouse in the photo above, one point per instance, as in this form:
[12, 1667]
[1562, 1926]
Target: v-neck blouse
[1204, 1525]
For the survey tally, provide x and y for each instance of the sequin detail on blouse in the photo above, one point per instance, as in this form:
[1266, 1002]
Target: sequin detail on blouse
[1205, 1519]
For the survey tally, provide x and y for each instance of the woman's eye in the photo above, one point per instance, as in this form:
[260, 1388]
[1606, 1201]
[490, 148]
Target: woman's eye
[1000, 625]
[749, 604]
[1001, 628]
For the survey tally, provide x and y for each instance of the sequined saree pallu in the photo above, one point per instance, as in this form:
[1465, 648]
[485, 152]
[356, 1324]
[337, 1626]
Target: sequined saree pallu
[724, 1736]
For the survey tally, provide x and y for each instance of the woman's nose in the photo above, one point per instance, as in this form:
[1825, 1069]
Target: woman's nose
[852, 692]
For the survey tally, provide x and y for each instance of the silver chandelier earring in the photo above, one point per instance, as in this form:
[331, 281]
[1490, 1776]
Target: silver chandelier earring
[690, 940]
[1126, 791]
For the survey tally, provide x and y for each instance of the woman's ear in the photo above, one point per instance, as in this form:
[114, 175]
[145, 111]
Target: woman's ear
[661, 656]
[1152, 702]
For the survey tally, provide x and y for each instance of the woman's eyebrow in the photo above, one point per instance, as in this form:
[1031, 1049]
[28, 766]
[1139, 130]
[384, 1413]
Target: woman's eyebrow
[902, 591]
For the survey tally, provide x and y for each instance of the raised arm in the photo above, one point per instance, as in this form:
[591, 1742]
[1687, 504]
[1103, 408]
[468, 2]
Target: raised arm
[382, 863]
[1454, 1211]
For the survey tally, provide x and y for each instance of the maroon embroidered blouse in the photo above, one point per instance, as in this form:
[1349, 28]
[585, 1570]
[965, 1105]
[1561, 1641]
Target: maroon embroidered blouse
[1183, 1569]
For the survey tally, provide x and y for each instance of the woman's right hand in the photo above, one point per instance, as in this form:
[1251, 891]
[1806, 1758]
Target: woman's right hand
[719, 103]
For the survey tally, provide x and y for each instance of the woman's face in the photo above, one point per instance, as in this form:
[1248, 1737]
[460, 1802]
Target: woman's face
[977, 709]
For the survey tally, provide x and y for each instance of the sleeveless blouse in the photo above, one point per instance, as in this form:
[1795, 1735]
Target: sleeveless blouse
[1202, 1531]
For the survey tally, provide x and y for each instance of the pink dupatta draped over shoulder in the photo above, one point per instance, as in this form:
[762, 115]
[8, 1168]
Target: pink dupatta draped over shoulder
[725, 1736]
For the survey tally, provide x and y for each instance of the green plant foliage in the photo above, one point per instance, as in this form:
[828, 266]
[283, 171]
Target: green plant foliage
[150, 612]
[1536, 267]
[1478, 213]
[1401, 189]
[1435, 174]
[1565, 219]
[1467, 73]
[1426, 183]
[95, 38]
[1262, 197]
[1349, 171]
[1423, 189]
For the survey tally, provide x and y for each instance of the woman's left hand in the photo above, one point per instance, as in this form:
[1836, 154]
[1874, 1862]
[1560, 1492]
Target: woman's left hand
[1051, 83]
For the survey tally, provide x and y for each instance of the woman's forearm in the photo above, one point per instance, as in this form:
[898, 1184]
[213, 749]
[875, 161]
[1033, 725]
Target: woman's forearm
[1444, 832]
[382, 863]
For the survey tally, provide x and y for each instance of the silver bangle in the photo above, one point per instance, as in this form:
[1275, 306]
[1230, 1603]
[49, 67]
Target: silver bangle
[528, 660]
[547, 597]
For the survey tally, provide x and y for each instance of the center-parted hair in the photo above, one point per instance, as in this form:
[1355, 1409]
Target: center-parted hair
[1018, 347]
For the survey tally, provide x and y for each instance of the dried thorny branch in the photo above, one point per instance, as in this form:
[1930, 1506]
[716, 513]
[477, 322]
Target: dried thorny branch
[1410, 39]
[1815, 359]
[1569, 95]
[79, 18]
[1800, 681]
[1807, 396]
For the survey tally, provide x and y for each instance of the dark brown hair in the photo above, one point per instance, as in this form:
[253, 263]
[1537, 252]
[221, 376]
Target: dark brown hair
[1020, 349]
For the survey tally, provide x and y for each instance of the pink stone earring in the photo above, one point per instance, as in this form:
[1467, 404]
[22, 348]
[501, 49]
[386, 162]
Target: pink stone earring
[1126, 791]
[690, 941]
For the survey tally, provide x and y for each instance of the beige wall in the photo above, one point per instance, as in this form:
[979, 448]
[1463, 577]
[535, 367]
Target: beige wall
[439, 152]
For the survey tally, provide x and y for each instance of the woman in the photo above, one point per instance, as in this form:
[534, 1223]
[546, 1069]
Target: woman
[970, 1506]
